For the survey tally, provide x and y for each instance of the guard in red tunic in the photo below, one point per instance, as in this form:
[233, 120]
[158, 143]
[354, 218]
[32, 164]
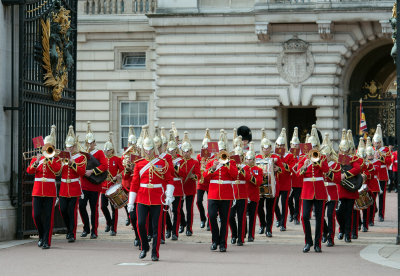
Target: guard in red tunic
[372, 169]
[383, 176]
[284, 180]
[91, 191]
[346, 198]
[202, 185]
[151, 189]
[297, 183]
[332, 181]
[239, 186]
[394, 165]
[114, 171]
[253, 190]
[190, 172]
[45, 167]
[70, 188]
[271, 166]
[314, 193]
[221, 173]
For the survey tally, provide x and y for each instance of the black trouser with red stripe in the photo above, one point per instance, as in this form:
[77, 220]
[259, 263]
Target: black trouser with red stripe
[355, 222]
[93, 198]
[238, 230]
[43, 217]
[266, 218]
[176, 211]
[111, 221]
[156, 214]
[344, 215]
[69, 212]
[252, 211]
[329, 228]
[221, 208]
[200, 206]
[372, 208]
[319, 206]
[282, 217]
[294, 203]
[189, 213]
[133, 218]
[382, 198]
[166, 221]
[182, 213]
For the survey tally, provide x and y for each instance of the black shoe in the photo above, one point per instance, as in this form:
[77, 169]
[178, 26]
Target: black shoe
[108, 227]
[233, 240]
[365, 229]
[222, 248]
[290, 218]
[283, 229]
[208, 228]
[71, 238]
[371, 223]
[296, 221]
[149, 238]
[174, 237]
[93, 236]
[250, 239]
[113, 233]
[329, 243]
[268, 234]
[40, 243]
[324, 238]
[67, 236]
[381, 219]
[127, 222]
[136, 242]
[143, 254]
[347, 238]
[239, 243]
[45, 246]
[278, 224]
[188, 233]
[154, 258]
[181, 229]
[84, 234]
[213, 246]
[359, 227]
[306, 248]
[168, 234]
[261, 230]
[202, 224]
[340, 236]
[354, 236]
[317, 249]
[162, 241]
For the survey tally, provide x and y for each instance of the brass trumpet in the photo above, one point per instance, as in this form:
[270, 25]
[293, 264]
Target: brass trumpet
[223, 156]
[314, 155]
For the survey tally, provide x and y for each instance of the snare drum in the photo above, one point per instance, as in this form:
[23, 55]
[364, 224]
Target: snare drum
[266, 191]
[364, 201]
[118, 197]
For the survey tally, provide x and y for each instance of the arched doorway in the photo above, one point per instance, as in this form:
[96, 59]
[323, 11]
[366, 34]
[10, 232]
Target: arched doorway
[373, 81]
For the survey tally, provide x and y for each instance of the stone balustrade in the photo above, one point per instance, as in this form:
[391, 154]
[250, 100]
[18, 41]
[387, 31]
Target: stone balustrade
[94, 7]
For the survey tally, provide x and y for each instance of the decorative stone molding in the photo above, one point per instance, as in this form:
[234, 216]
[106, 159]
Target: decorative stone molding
[295, 63]
[325, 29]
[386, 28]
[262, 31]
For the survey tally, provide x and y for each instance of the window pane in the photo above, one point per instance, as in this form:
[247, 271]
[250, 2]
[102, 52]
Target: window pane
[125, 132]
[124, 142]
[142, 119]
[133, 60]
[125, 120]
[143, 108]
[134, 108]
[125, 108]
[138, 130]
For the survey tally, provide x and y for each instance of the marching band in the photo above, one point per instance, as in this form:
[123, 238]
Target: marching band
[156, 175]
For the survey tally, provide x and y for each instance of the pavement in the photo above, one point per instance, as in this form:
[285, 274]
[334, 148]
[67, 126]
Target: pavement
[372, 253]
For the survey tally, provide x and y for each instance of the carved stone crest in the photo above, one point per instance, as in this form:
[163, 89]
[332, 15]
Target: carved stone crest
[295, 63]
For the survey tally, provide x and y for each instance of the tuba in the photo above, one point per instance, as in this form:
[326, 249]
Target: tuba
[268, 187]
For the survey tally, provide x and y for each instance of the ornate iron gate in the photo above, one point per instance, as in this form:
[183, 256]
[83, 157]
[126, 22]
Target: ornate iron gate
[47, 86]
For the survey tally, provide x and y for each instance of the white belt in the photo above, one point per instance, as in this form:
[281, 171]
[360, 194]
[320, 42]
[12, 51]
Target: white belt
[383, 166]
[177, 179]
[69, 180]
[240, 182]
[313, 179]
[330, 184]
[44, 179]
[150, 185]
[221, 181]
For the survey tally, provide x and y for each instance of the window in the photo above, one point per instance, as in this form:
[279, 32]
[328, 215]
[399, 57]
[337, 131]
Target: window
[133, 60]
[135, 114]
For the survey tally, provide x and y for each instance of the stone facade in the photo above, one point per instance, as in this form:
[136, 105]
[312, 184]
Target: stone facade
[8, 215]
[222, 64]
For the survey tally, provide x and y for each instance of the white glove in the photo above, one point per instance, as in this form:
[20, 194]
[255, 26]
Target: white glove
[169, 194]
[169, 200]
[82, 195]
[132, 199]
[329, 198]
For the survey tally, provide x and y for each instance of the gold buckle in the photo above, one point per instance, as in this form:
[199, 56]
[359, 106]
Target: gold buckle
[220, 181]
[68, 181]
[44, 179]
[237, 182]
[150, 186]
[313, 179]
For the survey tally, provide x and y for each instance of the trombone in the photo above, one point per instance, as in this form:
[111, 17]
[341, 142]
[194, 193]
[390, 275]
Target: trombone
[314, 155]
[47, 150]
[28, 155]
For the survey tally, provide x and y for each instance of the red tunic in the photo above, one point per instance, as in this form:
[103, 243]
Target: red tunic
[332, 180]
[45, 178]
[313, 180]
[371, 170]
[297, 182]
[202, 184]
[126, 176]
[178, 176]
[149, 181]
[355, 163]
[239, 185]
[385, 160]
[254, 183]
[221, 187]
[394, 161]
[284, 179]
[114, 167]
[189, 187]
[70, 176]
[86, 184]
[168, 157]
